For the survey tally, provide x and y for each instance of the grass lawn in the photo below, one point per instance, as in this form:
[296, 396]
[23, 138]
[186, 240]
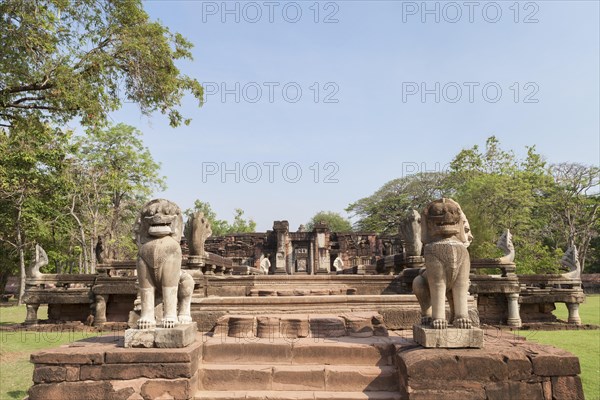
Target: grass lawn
[585, 344]
[15, 347]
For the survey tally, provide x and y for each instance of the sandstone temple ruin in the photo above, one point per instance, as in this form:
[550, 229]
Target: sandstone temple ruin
[304, 314]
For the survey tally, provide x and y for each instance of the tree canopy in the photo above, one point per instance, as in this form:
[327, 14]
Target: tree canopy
[112, 174]
[222, 227]
[32, 186]
[383, 210]
[66, 59]
[76, 61]
[64, 192]
[334, 220]
[547, 207]
[497, 191]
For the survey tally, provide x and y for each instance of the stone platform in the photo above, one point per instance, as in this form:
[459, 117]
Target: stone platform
[294, 326]
[400, 311]
[390, 367]
[506, 368]
[100, 368]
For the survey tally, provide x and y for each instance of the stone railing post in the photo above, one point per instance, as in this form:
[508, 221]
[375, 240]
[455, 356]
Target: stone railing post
[514, 319]
[31, 317]
[100, 314]
[573, 313]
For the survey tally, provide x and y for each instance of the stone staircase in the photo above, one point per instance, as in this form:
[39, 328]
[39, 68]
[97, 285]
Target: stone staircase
[342, 368]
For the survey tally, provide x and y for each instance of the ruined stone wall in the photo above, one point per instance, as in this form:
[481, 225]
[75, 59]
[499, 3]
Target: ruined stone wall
[591, 283]
[493, 308]
[301, 248]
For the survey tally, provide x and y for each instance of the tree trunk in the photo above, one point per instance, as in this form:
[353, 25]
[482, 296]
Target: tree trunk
[21, 250]
[94, 241]
[92, 255]
[85, 261]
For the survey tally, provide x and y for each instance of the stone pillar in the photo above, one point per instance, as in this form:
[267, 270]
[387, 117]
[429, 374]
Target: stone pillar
[514, 319]
[574, 313]
[322, 260]
[281, 229]
[31, 317]
[289, 261]
[100, 315]
[311, 259]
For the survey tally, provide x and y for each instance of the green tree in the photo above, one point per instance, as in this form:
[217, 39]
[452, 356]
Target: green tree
[498, 191]
[113, 174]
[575, 208]
[218, 226]
[31, 188]
[382, 211]
[546, 208]
[334, 220]
[66, 59]
[240, 225]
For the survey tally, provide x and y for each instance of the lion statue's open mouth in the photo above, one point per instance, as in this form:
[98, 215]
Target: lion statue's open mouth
[160, 225]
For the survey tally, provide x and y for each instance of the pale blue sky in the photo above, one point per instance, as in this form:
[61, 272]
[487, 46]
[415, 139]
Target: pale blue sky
[371, 61]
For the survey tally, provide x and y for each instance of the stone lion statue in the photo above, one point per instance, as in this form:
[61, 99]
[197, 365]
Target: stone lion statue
[446, 235]
[158, 233]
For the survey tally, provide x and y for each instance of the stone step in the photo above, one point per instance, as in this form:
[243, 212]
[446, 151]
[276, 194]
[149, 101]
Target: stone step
[342, 351]
[296, 395]
[331, 378]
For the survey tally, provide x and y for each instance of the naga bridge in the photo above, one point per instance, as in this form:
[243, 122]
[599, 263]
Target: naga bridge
[298, 273]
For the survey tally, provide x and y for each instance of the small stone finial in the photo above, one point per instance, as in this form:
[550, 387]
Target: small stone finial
[506, 245]
[570, 260]
[199, 230]
[410, 233]
[41, 260]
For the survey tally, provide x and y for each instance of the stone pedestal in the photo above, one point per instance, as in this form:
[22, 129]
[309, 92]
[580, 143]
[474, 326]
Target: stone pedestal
[178, 337]
[508, 367]
[242, 326]
[280, 267]
[101, 368]
[449, 338]
[267, 326]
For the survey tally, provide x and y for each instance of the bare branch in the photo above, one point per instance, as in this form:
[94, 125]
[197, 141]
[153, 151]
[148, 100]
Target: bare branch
[22, 99]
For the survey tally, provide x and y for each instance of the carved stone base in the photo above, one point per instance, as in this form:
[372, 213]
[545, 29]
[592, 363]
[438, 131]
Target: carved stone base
[178, 337]
[450, 338]
[139, 338]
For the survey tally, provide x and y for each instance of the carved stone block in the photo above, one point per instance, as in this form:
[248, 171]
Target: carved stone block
[450, 338]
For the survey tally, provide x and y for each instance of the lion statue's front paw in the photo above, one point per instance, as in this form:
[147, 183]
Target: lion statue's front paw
[169, 322]
[184, 319]
[462, 323]
[439, 324]
[146, 323]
